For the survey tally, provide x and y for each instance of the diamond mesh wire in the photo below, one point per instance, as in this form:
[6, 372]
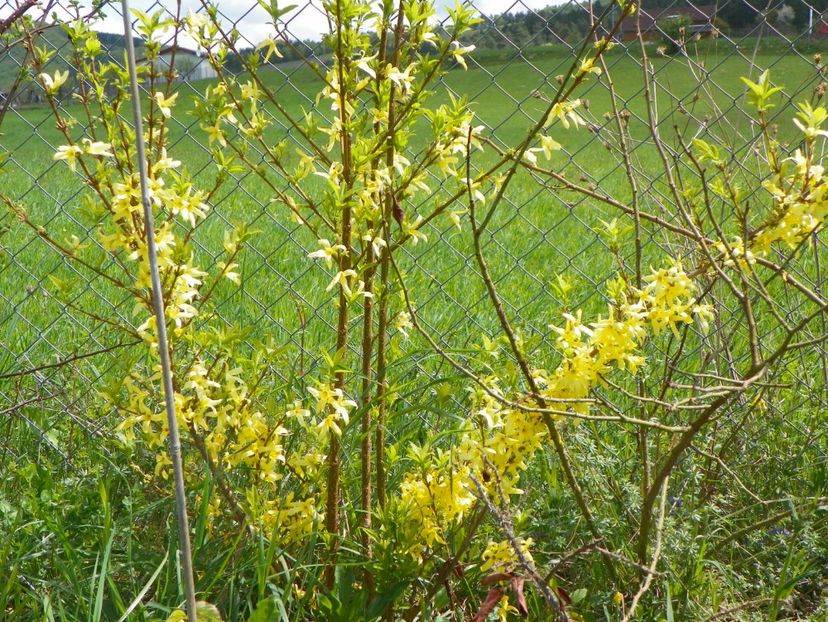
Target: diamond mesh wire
[542, 230]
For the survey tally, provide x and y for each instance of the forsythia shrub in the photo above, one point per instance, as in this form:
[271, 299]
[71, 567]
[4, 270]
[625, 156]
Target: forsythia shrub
[218, 388]
[274, 452]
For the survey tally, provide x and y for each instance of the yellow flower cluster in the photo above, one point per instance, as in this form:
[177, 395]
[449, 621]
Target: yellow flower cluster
[736, 253]
[434, 500]
[218, 406]
[332, 406]
[288, 519]
[801, 204]
[501, 556]
[500, 441]
[213, 398]
[71, 153]
[798, 189]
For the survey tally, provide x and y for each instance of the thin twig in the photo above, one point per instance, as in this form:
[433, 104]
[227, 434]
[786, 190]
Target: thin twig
[651, 569]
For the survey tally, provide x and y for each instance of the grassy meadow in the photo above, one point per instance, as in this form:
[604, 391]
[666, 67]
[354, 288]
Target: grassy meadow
[546, 233]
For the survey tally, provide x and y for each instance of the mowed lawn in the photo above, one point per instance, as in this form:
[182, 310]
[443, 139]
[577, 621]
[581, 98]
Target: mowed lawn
[540, 232]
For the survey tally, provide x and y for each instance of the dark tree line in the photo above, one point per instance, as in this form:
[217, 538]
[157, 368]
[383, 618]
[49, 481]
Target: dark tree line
[113, 41]
[742, 14]
[565, 23]
[295, 50]
[570, 22]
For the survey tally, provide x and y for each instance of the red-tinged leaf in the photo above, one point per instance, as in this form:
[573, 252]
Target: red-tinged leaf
[396, 211]
[458, 571]
[517, 588]
[498, 576]
[492, 598]
[564, 596]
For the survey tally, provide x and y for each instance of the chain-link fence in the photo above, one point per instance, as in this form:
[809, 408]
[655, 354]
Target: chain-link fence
[58, 349]
[699, 52]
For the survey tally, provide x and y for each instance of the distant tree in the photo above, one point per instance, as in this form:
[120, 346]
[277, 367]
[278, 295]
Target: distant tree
[555, 23]
[674, 31]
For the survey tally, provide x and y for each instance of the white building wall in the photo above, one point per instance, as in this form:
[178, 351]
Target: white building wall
[188, 66]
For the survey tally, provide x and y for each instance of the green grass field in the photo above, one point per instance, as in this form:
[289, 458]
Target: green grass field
[544, 236]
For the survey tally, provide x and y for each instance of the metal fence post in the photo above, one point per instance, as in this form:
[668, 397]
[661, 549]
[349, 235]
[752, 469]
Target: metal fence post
[161, 327]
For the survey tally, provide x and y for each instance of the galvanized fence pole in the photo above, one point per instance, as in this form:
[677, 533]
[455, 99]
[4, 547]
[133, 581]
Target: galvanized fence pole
[161, 326]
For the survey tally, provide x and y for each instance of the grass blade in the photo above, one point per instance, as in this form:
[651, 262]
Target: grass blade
[145, 589]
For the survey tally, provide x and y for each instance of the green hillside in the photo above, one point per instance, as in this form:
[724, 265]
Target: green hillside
[53, 37]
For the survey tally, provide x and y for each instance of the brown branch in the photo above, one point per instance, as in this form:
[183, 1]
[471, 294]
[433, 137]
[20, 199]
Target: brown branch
[505, 524]
[68, 360]
[16, 14]
[645, 586]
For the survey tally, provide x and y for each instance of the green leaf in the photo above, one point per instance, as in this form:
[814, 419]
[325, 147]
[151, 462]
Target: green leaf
[760, 92]
[382, 602]
[140, 597]
[265, 612]
[273, 9]
[706, 150]
[578, 595]
[205, 612]
[103, 570]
